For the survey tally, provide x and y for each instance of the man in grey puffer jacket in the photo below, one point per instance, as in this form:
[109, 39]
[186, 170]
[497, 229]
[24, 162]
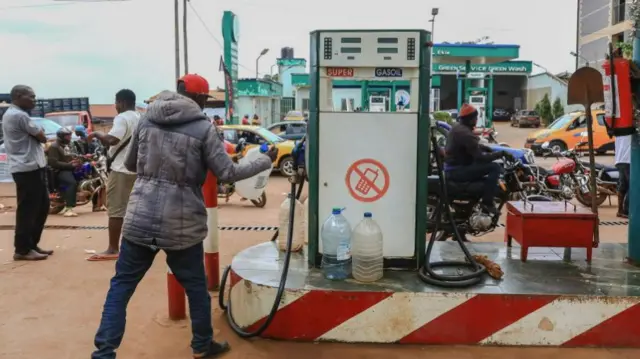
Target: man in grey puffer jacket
[171, 150]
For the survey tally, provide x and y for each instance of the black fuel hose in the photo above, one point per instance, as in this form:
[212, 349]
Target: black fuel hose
[283, 280]
[426, 273]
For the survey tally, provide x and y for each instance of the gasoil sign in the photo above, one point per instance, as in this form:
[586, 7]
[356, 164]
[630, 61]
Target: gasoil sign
[388, 72]
[340, 71]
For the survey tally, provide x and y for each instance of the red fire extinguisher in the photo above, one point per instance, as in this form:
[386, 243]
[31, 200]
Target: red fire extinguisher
[617, 96]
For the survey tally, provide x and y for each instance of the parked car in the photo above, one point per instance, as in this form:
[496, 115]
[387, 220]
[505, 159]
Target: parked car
[289, 130]
[525, 118]
[500, 114]
[566, 131]
[256, 136]
[294, 116]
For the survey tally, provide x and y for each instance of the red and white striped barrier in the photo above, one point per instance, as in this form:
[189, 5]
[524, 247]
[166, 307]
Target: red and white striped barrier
[439, 318]
[211, 255]
[176, 293]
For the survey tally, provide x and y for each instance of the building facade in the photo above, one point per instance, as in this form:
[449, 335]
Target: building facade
[600, 22]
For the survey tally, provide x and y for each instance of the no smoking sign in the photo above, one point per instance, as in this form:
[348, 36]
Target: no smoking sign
[367, 180]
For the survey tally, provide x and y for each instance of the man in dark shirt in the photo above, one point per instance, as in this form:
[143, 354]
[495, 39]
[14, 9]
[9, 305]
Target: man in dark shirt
[466, 160]
[60, 160]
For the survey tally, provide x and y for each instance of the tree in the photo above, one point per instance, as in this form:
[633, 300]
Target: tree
[557, 110]
[545, 110]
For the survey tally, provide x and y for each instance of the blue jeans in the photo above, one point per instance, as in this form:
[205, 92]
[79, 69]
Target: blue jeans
[134, 261]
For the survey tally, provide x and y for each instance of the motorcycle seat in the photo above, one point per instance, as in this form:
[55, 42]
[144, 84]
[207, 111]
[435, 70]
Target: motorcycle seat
[455, 188]
[599, 167]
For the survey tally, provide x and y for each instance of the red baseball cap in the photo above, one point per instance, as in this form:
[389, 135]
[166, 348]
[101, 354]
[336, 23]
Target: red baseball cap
[195, 84]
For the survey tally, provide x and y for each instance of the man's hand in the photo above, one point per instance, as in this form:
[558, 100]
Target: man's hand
[508, 156]
[91, 137]
[272, 153]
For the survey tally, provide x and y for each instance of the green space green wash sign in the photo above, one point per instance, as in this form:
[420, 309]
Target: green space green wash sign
[513, 67]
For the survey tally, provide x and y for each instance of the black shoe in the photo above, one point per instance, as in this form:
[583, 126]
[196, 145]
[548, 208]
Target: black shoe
[215, 349]
[490, 209]
[30, 256]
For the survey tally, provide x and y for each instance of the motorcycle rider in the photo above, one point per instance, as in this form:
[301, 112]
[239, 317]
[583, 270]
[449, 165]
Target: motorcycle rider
[82, 145]
[62, 163]
[467, 160]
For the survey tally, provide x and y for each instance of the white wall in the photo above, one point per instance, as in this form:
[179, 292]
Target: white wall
[301, 93]
[538, 85]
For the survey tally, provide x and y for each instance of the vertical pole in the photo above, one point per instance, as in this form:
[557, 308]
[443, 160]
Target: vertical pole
[176, 18]
[176, 297]
[211, 255]
[184, 36]
[432, 105]
[257, 60]
[634, 192]
[592, 171]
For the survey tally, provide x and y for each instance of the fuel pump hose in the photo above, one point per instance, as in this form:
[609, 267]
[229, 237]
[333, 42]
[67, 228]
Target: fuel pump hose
[285, 269]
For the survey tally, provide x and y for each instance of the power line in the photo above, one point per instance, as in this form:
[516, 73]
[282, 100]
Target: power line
[214, 37]
[34, 6]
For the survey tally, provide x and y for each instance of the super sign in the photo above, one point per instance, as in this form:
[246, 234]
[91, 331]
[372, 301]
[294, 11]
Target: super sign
[340, 71]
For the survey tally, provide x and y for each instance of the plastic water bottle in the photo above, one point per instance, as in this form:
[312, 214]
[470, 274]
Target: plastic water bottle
[366, 248]
[336, 246]
[306, 220]
[298, 225]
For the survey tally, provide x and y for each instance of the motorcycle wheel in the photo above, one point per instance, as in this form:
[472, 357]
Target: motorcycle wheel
[260, 202]
[585, 199]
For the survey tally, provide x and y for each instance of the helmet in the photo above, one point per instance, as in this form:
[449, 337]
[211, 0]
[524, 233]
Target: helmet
[62, 134]
[80, 131]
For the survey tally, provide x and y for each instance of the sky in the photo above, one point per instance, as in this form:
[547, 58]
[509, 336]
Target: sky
[93, 48]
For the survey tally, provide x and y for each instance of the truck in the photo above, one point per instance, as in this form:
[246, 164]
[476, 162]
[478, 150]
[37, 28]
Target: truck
[67, 112]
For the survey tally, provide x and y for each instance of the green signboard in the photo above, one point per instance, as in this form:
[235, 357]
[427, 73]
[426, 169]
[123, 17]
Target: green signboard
[473, 50]
[514, 67]
[231, 36]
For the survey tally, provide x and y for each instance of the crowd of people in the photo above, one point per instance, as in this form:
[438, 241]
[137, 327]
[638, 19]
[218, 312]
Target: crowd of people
[147, 180]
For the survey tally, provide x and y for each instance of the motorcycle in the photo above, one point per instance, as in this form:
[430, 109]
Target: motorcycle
[574, 176]
[464, 201]
[91, 177]
[226, 190]
[488, 136]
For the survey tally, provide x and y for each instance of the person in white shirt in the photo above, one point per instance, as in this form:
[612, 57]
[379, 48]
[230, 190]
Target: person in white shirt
[623, 163]
[120, 181]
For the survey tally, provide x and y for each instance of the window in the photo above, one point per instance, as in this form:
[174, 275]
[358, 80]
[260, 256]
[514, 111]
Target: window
[435, 100]
[64, 120]
[601, 120]
[231, 136]
[305, 104]
[618, 11]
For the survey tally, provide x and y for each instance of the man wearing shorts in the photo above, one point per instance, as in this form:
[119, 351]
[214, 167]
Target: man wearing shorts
[120, 180]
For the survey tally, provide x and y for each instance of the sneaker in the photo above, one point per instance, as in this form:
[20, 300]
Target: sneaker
[70, 213]
[31, 256]
[215, 349]
[43, 251]
[64, 210]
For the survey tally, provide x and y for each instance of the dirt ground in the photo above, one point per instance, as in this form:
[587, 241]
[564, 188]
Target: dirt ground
[51, 309]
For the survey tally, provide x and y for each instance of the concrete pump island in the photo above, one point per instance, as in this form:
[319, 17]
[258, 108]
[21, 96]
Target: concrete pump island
[591, 300]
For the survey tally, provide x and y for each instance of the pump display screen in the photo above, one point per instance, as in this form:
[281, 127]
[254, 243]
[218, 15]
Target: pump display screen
[479, 100]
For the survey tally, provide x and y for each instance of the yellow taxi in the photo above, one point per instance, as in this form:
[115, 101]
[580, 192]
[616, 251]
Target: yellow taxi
[568, 130]
[294, 116]
[256, 136]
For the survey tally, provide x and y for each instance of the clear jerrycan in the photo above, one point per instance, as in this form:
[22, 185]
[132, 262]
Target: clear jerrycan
[298, 224]
[366, 250]
[253, 187]
[336, 246]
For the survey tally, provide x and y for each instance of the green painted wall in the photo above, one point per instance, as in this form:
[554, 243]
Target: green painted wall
[230, 36]
[259, 88]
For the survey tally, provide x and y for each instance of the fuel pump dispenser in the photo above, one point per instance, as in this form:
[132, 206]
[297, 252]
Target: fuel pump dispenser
[354, 158]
